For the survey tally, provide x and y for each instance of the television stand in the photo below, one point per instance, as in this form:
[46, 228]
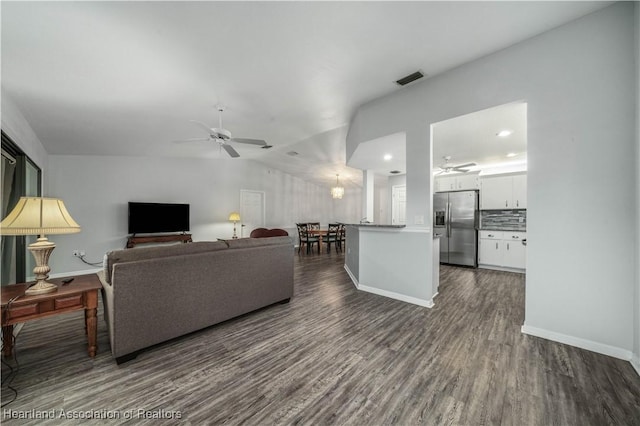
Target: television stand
[164, 238]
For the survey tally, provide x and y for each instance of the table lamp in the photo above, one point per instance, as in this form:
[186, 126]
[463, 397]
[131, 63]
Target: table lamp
[39, 216]
[235, 218]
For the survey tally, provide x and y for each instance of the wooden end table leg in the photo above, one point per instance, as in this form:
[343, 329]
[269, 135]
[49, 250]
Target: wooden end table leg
[7, 340]
[91, 322]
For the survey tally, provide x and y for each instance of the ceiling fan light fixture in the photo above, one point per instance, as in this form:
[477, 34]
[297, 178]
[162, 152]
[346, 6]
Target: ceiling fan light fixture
[337, 192]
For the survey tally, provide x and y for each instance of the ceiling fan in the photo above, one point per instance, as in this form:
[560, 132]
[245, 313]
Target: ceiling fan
[223, 136]
[448, 168]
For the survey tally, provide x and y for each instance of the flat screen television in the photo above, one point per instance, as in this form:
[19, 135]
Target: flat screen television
[151, 218]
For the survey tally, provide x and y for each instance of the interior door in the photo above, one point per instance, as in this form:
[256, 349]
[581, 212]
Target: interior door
[251, 211]
[399, 205]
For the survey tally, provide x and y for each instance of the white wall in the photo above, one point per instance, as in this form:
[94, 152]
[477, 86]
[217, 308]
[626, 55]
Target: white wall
[636, 350]
[96, 191]
[15, 125]
[575, 79]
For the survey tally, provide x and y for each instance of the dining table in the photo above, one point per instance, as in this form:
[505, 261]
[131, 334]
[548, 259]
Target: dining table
[319, 233]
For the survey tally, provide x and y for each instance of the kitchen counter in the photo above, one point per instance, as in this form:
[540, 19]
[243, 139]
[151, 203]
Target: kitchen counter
[376, 225]
[394, 261]
[495, 228]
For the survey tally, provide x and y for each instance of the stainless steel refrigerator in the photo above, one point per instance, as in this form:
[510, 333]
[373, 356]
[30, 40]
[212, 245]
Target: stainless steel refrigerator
[455, 217]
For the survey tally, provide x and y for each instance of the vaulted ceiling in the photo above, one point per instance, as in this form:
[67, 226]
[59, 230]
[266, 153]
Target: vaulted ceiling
[125, 78]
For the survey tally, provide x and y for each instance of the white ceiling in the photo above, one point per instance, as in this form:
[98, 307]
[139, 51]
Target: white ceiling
[125, 78]
[474, 138]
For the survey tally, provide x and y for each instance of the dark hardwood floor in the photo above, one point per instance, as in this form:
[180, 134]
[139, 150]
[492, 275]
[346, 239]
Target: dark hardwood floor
[334, 355]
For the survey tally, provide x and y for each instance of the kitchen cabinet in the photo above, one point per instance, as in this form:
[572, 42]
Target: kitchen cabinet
[520, 191]
[503, 192]
[459, 182]
[447, 183]
[502, 250]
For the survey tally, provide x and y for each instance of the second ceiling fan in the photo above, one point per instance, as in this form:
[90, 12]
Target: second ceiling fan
[448, 168]
[223, 136]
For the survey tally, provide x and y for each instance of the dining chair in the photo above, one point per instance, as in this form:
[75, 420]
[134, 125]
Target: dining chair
[342, 236]
[305, 238]
[332, 236]
[315, 226]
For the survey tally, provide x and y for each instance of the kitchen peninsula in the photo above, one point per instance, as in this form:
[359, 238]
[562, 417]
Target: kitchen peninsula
[394, 261]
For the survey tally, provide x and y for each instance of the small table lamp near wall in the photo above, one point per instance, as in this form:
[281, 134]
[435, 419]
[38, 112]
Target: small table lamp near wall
[235, 218]
[39, 216]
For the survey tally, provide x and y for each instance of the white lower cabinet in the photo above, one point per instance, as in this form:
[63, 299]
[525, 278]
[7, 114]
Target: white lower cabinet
[502, 250]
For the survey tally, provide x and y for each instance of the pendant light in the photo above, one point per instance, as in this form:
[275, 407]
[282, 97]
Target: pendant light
[337, 191]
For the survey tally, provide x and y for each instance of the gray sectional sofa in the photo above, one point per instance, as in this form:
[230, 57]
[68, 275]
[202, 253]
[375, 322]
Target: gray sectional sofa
[153, 294]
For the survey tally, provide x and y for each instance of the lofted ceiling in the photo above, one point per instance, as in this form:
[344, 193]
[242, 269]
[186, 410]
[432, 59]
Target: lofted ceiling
[125, 78]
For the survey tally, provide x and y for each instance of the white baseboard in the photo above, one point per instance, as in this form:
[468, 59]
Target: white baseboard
[578, 342]
[389, 294]
[635, 363]
[502, 268]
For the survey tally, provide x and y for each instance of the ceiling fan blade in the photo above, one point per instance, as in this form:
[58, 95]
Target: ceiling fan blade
[464, 165]
[232, 152]
[192, 140]
[201, 124]
[457, 169]
[249, 141]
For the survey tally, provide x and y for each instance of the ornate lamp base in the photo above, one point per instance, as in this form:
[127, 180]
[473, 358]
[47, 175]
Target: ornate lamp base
[41, 251]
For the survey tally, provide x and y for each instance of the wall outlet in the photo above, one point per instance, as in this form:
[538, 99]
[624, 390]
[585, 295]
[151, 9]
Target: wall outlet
[78, 253]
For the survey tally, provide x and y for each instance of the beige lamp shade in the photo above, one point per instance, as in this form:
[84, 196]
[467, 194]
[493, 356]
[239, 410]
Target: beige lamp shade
[234, 217]
[39, 216]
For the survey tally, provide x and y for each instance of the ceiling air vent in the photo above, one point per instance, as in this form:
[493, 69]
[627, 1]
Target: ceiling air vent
[292, 153]
[410, 78]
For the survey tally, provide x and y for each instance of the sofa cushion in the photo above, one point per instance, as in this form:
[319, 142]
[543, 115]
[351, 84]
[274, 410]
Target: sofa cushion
[142, 253]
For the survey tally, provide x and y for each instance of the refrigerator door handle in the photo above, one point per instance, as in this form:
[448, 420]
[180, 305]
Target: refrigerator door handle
[448, 220]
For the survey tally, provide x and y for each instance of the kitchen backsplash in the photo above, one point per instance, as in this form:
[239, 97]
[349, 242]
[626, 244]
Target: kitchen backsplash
[511, 220]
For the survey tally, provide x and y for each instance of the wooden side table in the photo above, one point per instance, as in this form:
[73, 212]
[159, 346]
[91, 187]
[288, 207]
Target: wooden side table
[80, 294]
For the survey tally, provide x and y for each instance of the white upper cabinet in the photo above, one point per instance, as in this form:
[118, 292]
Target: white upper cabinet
[445, 183]
[520, 191]
[467, 181]
[459, 182]
[503, 192]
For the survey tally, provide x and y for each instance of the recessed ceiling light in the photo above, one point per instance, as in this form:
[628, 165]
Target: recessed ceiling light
[504, 133]
[511, 154]
[387, 157]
